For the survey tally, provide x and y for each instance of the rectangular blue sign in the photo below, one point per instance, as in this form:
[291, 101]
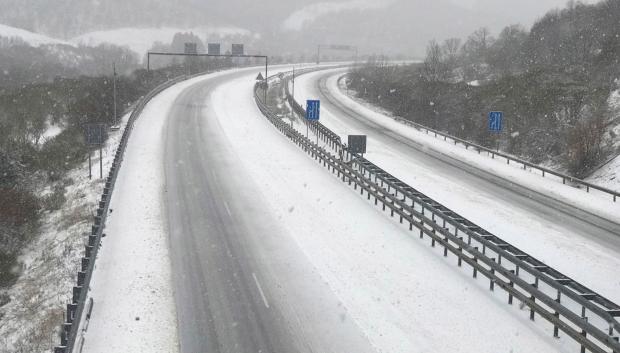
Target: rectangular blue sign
[496, 120]
[313, 109]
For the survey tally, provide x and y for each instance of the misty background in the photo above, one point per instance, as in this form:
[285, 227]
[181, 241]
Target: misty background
[277, 27]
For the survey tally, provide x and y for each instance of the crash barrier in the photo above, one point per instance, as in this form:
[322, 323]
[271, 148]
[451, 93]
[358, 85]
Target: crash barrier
[587, 317]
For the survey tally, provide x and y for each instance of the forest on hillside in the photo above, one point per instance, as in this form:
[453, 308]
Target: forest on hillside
[553, 82]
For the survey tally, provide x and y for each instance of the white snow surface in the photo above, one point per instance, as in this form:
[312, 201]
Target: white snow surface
[140, 40]
[402, 294]
[134, 308]
[588, 259]
[608, 175]
[33, 39]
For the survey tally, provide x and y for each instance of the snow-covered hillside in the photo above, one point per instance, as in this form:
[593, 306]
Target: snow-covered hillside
[10, 34]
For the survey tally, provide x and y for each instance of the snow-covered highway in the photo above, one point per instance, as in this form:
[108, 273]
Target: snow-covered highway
[225, 237]
[476, 187]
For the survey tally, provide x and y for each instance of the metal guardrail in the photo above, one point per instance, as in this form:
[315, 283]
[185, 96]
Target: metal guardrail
[586, 316]
[565, 178]
[75, 310]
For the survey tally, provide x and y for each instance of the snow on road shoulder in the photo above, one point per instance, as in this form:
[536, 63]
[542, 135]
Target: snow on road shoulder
[403, 296]
[584, 253]
[134, 308]
[594, 202]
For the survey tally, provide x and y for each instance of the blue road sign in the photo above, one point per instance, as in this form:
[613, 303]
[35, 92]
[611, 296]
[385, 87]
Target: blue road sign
[496, 120]
[313, 109]
[94, 134]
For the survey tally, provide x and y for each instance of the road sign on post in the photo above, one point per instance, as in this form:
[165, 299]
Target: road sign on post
[496, 121]
[95, 135]
[313, 109]
[213, 48]
[357, 144]
[237, 49]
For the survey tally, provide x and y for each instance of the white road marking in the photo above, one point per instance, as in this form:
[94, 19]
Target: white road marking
[260, 290]
[227, 209]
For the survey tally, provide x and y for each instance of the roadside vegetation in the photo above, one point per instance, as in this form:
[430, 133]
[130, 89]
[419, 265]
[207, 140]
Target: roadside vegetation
[553, 84]
[34, 162]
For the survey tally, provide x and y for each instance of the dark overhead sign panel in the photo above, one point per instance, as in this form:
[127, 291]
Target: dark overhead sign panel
[357, 143]
[237, 49]
[191, 48]
[341, 47]
[214, 48]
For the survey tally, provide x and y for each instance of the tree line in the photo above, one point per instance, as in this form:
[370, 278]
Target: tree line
[552, 82]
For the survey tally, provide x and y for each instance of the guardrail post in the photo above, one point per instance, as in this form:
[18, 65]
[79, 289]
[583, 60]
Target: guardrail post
[76, 294]
[583, 332]
[556, 329]
[475, 270]
[492, 281]
[532, 312]
[81, 275]
[511, 285]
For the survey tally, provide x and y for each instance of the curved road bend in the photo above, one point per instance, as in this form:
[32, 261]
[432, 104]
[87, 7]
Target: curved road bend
[484, 186]
[240, 284]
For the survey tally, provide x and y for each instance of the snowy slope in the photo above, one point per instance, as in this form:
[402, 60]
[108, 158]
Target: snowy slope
[608, 175]
[29, 321]
[34, 39]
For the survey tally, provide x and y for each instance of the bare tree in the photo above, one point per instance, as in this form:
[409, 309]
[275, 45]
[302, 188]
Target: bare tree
[435, 68]
[450, 49]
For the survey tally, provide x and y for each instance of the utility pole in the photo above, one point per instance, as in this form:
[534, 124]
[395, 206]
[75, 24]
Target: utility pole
[266, 82]
[293, 110]
[114, 85]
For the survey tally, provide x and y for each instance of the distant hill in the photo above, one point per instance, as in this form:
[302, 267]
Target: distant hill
[389, 26]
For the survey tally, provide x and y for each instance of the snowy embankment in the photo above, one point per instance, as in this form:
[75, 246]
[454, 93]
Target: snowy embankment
[37, 301]
[609, 174]
[595, 202]
[591, 258]
[403, 295]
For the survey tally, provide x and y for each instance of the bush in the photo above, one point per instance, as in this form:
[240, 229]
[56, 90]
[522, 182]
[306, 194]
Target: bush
[54, 200]
[17, 206]
[8, 274]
